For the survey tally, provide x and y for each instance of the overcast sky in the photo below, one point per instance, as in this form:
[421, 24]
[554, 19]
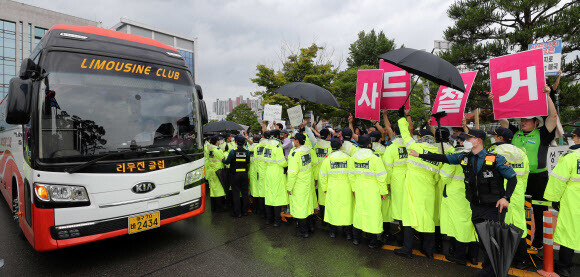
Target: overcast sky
[235, 36]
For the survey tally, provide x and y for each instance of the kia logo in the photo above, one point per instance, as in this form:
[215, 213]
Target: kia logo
[143, 187]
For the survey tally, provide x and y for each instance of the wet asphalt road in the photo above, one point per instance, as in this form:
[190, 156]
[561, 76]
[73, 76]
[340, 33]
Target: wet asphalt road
[213, 245]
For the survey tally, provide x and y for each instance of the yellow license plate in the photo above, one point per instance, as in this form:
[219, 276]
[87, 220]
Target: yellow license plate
[144, 222]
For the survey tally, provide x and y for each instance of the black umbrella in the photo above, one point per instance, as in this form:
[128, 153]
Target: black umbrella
[309, 92]
[223, 175]
[221, 126]
[500, 242]
[426, 65]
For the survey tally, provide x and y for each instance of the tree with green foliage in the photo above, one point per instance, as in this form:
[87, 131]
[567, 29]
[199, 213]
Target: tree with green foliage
[308, 65]
[484, 29]
[243, 114]
[366, 49]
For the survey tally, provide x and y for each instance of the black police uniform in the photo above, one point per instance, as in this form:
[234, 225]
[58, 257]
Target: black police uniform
[484, 178]
[239, 160]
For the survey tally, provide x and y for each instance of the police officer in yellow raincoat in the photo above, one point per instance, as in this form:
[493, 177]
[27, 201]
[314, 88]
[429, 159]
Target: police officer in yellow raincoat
[420, 184]
[334, 183]
[369, 186]
[276, 195]
[299, 185]
[253, 173]
[216, 190]
[395, 160]
[455, 217]
[347, 146]
[564, 187]
[322, 149]
[260, 190]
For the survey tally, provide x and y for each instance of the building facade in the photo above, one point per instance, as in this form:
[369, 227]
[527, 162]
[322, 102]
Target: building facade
[21, 28]
[221, 108]
[187, 46]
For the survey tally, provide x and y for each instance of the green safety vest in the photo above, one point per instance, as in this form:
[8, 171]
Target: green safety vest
[535, 151]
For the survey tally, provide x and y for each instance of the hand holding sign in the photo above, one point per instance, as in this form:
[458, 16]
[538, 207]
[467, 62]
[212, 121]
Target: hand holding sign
[453, 101]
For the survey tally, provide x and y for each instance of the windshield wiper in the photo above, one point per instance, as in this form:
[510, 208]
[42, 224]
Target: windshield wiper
[93, 161]
[177, 150]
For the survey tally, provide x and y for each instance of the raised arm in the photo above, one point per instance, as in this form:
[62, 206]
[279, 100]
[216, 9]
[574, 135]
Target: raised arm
[350, 120]
[388, 127]
[555, 86]
[552, 119]
[405, 131]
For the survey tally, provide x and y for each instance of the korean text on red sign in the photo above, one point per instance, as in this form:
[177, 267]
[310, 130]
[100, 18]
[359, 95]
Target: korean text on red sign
[453, 101]
[396, 86]
[368, 89]
[517, 82]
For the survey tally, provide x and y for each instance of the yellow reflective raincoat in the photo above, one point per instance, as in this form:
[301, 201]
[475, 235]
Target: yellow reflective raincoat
[322, 149]
[518, 160]
[368, 182]
[274, 177]
[215, 157]
[440, 185]
[334, 182]
[395, 160]
[300, 181]
[455, 209]
[349, 148]
[420, 182]
[564, 187]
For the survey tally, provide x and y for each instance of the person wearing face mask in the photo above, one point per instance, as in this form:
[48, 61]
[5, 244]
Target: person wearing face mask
[518, 160]
[564, 188]
[484, 180]
[535, 137]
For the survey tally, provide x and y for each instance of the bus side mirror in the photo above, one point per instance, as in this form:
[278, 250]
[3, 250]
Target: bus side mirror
[18, 102]
[203, 112]
[28, 69]
[199, 92]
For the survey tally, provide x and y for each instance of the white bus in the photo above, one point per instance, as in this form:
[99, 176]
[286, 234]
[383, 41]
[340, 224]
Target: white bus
[100, 137]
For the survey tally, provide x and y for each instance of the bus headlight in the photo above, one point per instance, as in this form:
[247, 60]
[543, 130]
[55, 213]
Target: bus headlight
[61, 193]
[193, 178]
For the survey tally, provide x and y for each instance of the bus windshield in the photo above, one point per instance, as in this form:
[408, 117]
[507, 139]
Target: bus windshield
[88, 108]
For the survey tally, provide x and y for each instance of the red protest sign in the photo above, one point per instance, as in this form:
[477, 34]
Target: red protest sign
[396, 86]
[517, 82]
[453, 102]
[368, 87]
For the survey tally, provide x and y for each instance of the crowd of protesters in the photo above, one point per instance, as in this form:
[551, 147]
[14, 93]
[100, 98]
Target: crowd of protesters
[390, 183]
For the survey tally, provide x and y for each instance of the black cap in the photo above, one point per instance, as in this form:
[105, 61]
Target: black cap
[214, 139]
[275, 133]
[376, 136]
[256, 138]
[364, 141]
[240, 140]
[473, 133]
[267, 134]
[335, 143]
[347, 133]
[502, 132]
[284, 132]
[324, 133]
[301, 138]
[576, 132]
[395, 128]
[425, 132]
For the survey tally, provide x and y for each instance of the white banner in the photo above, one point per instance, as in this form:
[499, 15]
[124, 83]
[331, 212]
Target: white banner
[553, 153]
[295, 116]
[272, 113]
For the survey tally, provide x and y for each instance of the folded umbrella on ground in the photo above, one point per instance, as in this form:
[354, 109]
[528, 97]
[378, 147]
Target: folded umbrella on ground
[500, 242]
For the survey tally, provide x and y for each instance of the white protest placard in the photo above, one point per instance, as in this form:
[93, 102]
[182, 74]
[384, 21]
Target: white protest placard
[272, 113]
[554, 153]
[552, 55]
[295, 115]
